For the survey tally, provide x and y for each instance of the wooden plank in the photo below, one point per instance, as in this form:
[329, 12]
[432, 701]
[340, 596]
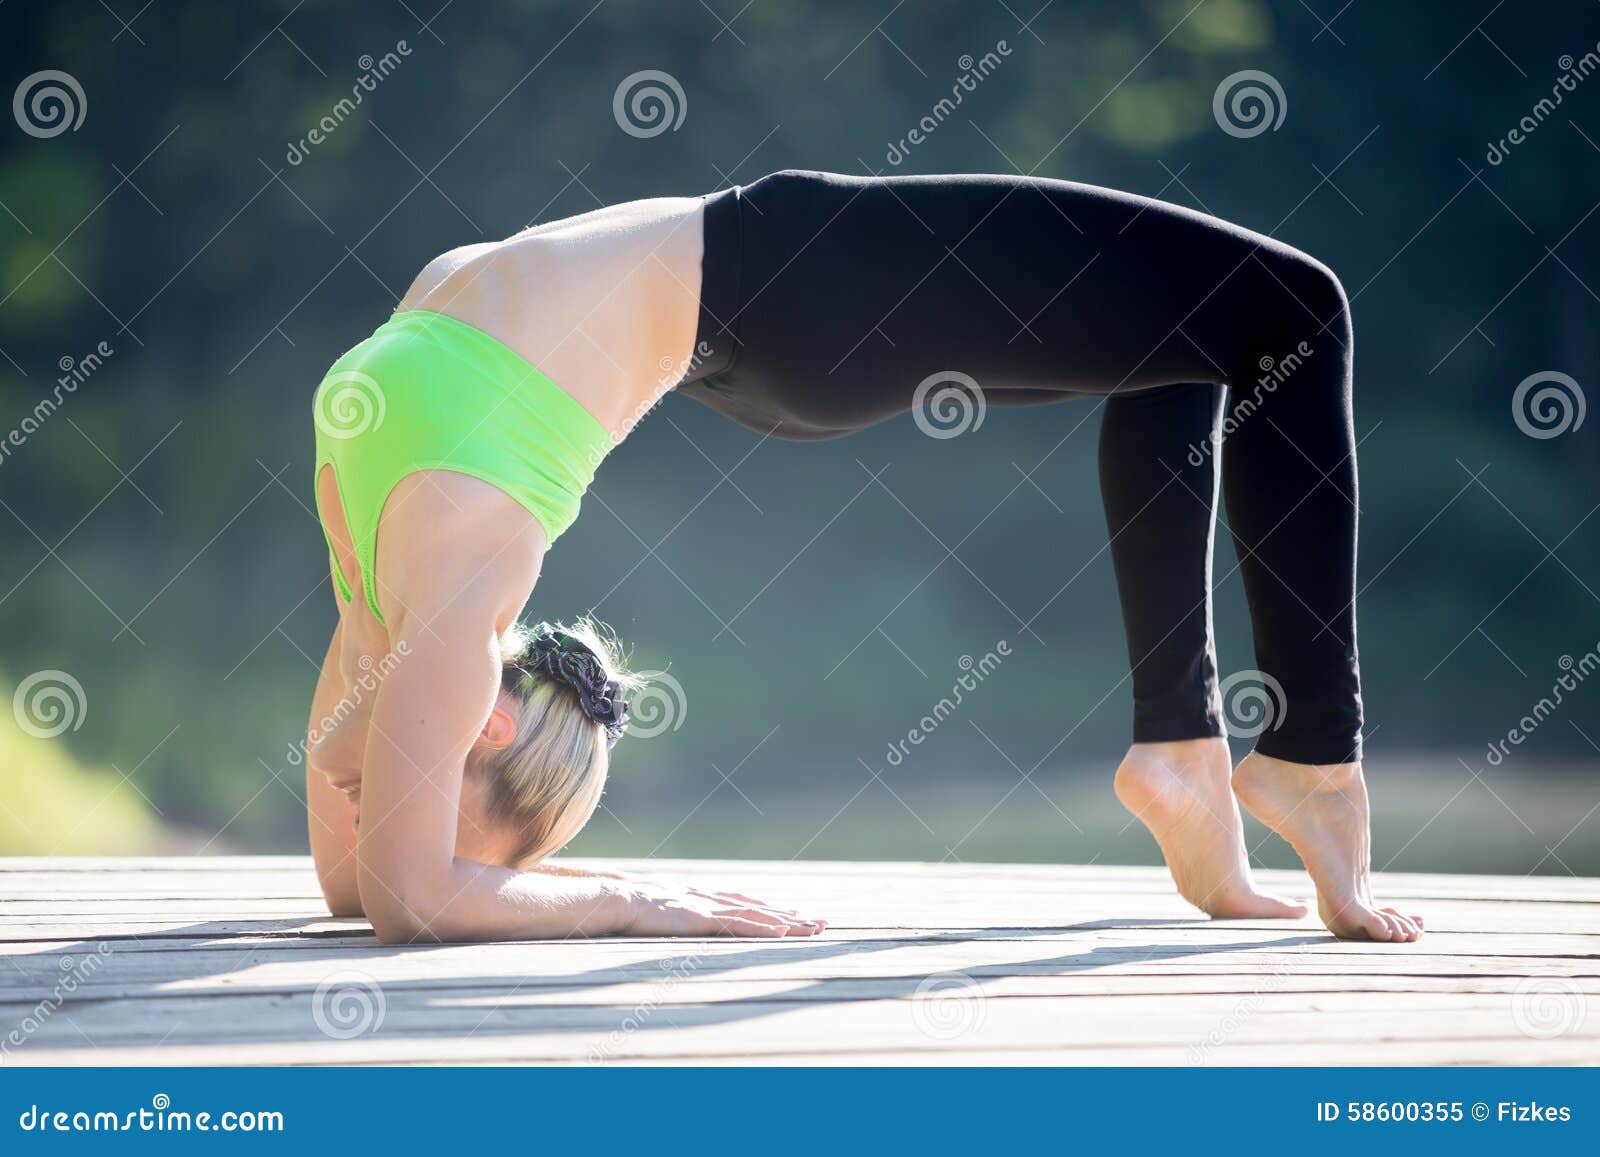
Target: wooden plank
[1098, 878]
[192, 909]
[239, 966]
[1203, 1027]
[1199, 937]
[208, 863]
[222, 958]
[635, 989]
[519, 1051]
[1006, 907]
[64, 921]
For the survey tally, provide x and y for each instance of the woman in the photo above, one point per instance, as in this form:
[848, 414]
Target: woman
[809, 305]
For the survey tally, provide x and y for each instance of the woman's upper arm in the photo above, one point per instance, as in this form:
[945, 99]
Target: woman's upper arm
[430, 710]
[446, 610]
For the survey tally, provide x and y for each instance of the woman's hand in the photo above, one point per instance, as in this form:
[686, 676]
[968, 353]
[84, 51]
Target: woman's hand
[655, 909]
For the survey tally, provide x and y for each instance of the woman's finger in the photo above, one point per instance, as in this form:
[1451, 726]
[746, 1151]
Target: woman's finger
[790, 913]
[741, 898]
[757, 915]
[739, 926]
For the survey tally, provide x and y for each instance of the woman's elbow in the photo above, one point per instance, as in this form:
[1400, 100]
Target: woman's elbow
[342, 907]
[340, 894]
[403, 915]
[400, 928]
[395, 923]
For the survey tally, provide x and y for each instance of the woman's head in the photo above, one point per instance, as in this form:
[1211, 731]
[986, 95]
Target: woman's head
[540, 779]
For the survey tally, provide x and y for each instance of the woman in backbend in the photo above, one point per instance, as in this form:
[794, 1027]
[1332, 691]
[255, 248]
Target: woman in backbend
[454, 444]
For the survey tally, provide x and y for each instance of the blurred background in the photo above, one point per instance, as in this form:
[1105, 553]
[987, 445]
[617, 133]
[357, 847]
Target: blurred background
[181, 258]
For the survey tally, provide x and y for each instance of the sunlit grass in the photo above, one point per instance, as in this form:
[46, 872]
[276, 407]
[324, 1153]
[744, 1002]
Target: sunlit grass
[52, 805]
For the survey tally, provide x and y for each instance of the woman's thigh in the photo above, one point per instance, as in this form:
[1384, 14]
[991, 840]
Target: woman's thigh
[859, 289]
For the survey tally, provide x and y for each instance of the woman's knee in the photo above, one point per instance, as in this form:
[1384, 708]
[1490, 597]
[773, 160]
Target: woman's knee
[1306, 301]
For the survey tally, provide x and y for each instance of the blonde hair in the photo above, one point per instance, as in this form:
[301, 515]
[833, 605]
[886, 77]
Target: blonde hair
[547, 782]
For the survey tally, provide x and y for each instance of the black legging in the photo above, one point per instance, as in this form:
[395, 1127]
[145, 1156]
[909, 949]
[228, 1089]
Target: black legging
[826, 301]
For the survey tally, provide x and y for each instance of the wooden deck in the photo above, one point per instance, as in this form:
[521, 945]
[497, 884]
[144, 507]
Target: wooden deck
[229, 960]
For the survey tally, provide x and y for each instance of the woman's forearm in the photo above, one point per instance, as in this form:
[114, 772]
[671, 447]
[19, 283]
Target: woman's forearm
[329, 817]
[333, 845]
[473, 902]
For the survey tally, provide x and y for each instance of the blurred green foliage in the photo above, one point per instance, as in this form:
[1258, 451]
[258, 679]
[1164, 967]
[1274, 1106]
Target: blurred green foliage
[161, 544]
[50, 805]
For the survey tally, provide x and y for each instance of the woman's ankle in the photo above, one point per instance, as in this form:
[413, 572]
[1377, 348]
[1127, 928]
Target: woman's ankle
[1207, 749]
[1326, 776]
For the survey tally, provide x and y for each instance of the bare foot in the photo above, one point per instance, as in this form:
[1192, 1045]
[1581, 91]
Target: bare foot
[1180, 791]
[1322, 812]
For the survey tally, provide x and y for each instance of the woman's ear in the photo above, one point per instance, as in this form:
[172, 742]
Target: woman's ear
[501, 728]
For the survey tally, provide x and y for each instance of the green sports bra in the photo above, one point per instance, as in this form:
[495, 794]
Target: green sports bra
[428, 392]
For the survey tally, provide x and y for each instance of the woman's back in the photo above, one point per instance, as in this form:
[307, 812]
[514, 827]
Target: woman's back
[600, 303]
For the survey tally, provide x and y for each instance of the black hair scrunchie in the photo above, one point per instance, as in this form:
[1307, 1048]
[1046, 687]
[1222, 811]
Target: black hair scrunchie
[568, 660]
